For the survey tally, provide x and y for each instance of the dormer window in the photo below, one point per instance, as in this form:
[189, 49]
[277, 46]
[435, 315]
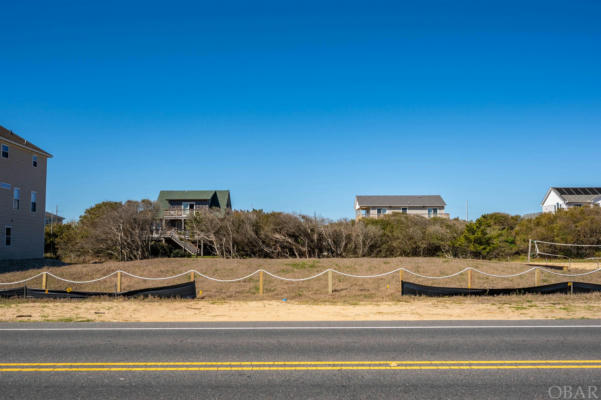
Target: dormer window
[4, 151]
[34, 161]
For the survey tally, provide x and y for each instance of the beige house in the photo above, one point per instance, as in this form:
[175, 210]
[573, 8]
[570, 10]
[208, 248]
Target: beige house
[22, 197]
[379, 206]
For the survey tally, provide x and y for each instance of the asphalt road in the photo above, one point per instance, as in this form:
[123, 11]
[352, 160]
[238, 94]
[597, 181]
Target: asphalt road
[434, 360]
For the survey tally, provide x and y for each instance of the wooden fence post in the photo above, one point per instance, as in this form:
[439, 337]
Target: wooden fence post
[529, 249]
[401, 280]
[44, 280]
[330, 282]
[537, 277]
[192, 276]
[118, 281]
[261, 283]
[469, 278]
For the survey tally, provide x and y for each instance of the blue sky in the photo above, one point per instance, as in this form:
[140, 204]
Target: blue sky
[300, 107]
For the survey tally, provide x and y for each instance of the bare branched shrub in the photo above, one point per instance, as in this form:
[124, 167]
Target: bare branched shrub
[111, 230]
[122, 231]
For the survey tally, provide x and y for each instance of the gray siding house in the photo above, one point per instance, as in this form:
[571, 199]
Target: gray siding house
[53, 219]
[429, 206]
[22, 197]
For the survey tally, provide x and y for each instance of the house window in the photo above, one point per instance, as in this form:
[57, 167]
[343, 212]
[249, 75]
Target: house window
[432, 212]
[8, 236]
[34, 161]
[34, 201]
[188, 207]
[16, 198]
[381, 211]
[4, 151]
[365, 213]
[404, 210]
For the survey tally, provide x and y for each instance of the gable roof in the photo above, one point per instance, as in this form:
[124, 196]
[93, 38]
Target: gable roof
[575, 194]
[13, 138]
[218, 198]
[223, 196]
[401, 201]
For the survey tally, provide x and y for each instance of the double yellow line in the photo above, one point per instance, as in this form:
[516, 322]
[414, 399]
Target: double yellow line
[299, 365]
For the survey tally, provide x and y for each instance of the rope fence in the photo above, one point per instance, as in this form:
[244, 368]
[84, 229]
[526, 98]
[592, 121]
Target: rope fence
[330, 271]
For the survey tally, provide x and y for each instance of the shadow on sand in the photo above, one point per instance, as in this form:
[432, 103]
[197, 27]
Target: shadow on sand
[25, 265]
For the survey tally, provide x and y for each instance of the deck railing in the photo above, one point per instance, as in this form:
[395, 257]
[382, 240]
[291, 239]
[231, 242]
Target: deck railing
[426, 215]
[179, 212]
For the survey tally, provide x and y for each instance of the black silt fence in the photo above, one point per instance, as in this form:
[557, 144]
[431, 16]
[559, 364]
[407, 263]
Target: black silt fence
[414, 289]
[183, 290]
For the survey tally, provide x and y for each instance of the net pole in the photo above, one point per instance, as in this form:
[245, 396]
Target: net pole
[529, 249]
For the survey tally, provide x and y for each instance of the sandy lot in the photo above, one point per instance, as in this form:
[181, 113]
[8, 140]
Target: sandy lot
[345, 289]
[411, 308]
[352, 298]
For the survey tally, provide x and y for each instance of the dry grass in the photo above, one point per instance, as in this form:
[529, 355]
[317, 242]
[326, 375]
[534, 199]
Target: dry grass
[385, 289]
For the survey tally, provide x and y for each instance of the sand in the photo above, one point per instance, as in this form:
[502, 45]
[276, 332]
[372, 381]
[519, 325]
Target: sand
[411, 309]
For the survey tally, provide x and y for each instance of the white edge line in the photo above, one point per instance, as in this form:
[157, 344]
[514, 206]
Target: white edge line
[276, 328]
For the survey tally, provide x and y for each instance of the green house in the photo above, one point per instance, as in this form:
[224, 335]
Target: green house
[175, 206]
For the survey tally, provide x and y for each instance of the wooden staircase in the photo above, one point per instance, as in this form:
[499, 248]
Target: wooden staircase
[182, 242]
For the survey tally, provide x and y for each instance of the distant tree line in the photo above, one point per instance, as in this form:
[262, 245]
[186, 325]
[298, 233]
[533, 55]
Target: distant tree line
[123, 231]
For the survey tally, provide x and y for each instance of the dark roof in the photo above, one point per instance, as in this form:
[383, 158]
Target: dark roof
[578, 194]
[579, 190]
[218, 198]
[223, 196]
[401, 201]
[13, 137]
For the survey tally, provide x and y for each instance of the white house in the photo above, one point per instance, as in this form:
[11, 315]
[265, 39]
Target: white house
[568, 197]
[378, 206]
